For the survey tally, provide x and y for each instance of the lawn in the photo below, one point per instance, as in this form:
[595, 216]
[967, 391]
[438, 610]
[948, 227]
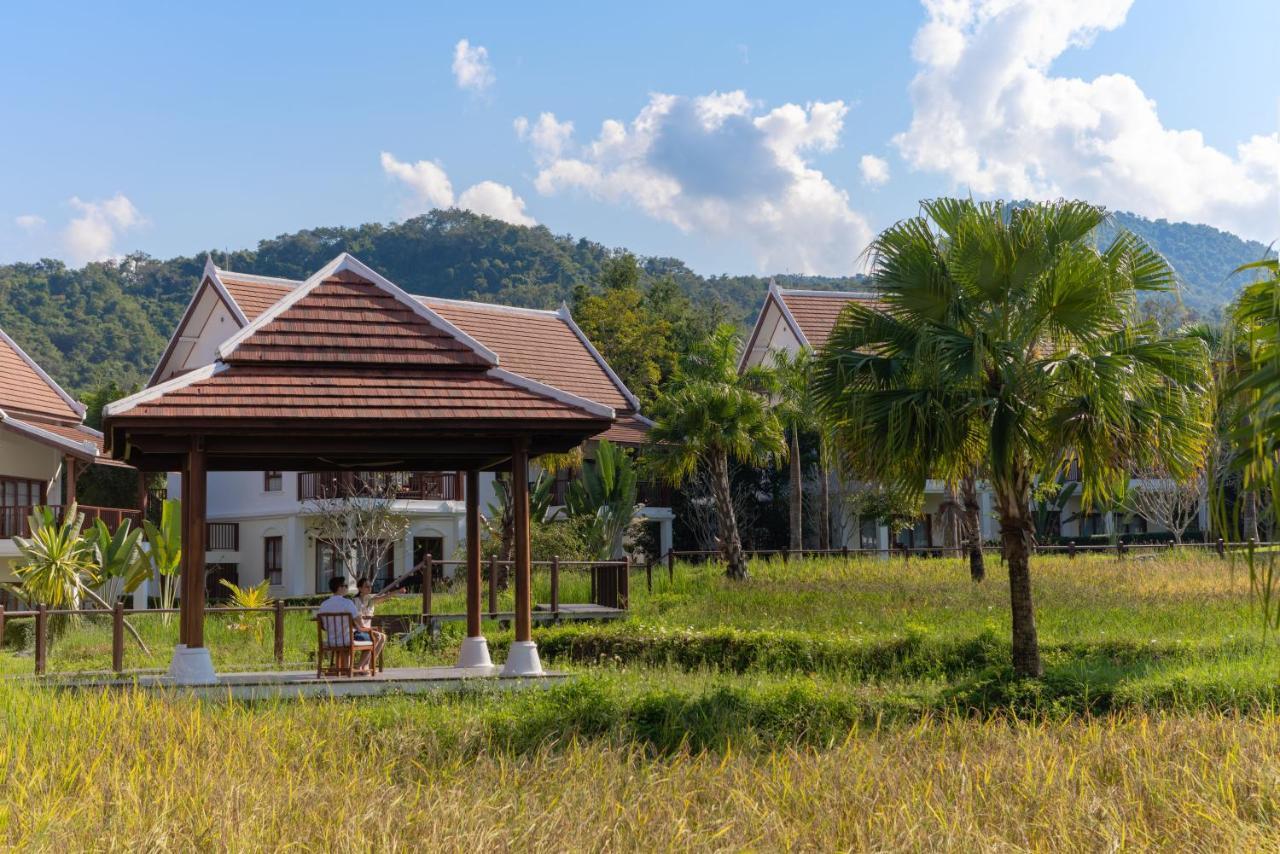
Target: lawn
[821, 704]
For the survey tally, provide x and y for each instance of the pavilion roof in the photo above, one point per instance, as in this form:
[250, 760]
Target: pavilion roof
[814, 313]
[348, 356]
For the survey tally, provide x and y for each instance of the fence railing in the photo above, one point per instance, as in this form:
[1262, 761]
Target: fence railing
[222, 536]
[15, 519]
[414, 485]
[610, 590]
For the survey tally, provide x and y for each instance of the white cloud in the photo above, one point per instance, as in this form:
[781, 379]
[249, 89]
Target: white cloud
[428, 180]
[91, 236]
[471, 67]
[29, 222]
[719, 165]
[496, 200]
[431, 188]
[989, 113]
[875, 170]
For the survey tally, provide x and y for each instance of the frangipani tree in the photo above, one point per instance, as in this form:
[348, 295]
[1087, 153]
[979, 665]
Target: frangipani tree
[1006, 333]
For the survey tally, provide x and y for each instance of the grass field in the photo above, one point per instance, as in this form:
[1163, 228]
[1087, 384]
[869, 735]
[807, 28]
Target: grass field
[823, 704]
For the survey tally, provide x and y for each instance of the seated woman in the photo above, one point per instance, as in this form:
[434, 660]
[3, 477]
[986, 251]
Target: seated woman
[365, 601]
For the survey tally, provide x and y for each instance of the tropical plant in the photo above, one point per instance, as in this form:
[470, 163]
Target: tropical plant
[1050, 502]
[118, 557]
[164, 547]
[605, 495]
[256, 598]
[58, 566]
[499, 523]
[1010, 330]
[709, 416]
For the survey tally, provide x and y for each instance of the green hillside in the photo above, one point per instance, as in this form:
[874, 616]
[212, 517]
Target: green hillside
[109, 321]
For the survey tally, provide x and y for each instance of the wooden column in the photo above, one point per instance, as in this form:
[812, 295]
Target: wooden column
[475, 582]
[194, 494]
[520, 511]
[69, 476]
[144, 496]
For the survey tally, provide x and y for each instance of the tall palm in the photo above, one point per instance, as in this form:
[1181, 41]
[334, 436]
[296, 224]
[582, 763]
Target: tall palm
[1255, 434]
[710, 416]
[1007, 331]
[793, 404]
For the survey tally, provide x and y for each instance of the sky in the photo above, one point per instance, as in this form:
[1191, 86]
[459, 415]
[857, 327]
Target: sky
[739, 137]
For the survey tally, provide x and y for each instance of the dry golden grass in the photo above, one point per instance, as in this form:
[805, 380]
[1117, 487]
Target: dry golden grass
[130, 771]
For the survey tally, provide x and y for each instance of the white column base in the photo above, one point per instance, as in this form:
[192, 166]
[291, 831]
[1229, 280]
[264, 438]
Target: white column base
[522, 660]
[192, 666]
[474, 655]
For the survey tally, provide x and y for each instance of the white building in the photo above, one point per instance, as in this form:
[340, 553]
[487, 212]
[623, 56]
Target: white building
[791, 320]
[43, 441]
[257, 526]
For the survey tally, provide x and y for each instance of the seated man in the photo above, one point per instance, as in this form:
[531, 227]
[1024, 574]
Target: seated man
[339, 603]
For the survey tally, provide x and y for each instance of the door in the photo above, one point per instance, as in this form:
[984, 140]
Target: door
[423, 546]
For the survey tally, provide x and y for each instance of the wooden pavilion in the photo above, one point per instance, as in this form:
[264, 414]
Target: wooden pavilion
[350, 372]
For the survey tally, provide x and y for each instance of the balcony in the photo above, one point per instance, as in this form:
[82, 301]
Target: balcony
[411, 485]
[222, 536]
[15, 518]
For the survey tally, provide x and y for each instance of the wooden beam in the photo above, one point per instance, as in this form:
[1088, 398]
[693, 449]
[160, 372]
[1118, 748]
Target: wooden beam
[520, 512]
[474, 580]
[69, 466]
[193, 544]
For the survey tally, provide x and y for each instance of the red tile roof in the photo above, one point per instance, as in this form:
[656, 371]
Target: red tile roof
[627, 430]
[330, 392]
[347, 320]
[25, 389]
[541, 345]
[816, 312]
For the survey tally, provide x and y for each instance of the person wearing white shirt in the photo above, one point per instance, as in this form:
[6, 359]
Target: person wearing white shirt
[339, 603]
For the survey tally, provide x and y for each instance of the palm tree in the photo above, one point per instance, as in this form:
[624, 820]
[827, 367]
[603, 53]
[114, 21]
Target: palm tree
[1006, 333]
[793, 405]
[1255, 431]
[605, 495]
[710, 416]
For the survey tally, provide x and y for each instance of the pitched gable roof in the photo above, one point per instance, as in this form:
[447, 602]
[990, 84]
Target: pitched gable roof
[814, 313]
[25, 387]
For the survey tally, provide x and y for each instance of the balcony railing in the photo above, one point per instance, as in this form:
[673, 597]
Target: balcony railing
[412, 485]
[222, 536]
[15, 518]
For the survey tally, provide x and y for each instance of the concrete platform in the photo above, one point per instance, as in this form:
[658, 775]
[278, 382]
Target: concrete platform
[290, 684]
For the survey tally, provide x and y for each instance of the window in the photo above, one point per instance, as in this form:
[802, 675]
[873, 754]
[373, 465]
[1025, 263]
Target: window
[17, 495]
[272, 481]
[434, 546]
[273, 560]
[326, 566]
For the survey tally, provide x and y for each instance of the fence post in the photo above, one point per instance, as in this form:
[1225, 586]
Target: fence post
[117, 637]
[624, 582]
[648, 575]
[555, 586]
[42, 638]
[671, 566]
[278, 632]
[844, 551]
[1071, 549]
[1119, 548]
[1221, 546]
[1, 625]
[493, 586]
[427, 576]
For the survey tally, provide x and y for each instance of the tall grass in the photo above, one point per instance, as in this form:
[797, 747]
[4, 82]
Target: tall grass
[128, 770]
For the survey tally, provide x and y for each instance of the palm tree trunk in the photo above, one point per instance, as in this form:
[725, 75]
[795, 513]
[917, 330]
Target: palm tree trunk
[1250, 516]
[797, 494]
[1016, 532]
[730, 542]
[824, 492]
[972, 518]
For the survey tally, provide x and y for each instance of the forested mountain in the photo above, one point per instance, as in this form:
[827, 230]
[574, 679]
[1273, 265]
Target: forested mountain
[109, 321]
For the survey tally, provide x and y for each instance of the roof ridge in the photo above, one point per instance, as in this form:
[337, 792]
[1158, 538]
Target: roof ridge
[345, 262]
[254, 278]
[811, 292]
[514, 309]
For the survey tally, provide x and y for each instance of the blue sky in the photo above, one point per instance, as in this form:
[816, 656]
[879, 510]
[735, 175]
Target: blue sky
[741, 138]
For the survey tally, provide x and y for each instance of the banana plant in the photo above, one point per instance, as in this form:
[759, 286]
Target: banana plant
[164, 542]
[606, 495]
[57, 567]
[120, 561]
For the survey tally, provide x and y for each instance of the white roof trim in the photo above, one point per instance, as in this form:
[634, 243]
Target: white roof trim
[777, 292]
[510, 309]
[801, 292]
[349, 262]
[253, 278]
[86, 447]
[75, 405]
[774, 294]
[210, 272]
[552, 392]
[567, 317]
[124, 404]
